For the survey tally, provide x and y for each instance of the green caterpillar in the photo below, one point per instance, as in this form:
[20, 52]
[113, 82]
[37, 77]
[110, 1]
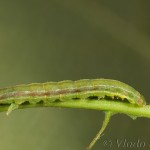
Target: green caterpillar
[87, 89]
[69, 90]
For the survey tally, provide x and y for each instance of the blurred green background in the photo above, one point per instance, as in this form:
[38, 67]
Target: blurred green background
[56, 40]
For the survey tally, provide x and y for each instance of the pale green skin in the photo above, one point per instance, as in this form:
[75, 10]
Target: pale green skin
[107, 87]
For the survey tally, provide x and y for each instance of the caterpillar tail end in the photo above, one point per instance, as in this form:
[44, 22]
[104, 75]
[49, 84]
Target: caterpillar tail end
[12, 107]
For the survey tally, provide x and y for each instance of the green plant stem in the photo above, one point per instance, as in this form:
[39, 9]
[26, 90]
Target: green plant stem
[108, 115]
[109, 107]
[104, 105]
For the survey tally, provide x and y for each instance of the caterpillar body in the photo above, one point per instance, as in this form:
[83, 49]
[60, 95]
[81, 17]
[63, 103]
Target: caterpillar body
[85, 89]
[49, 92]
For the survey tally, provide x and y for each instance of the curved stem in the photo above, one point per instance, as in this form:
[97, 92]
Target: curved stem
[108, 115]
[110, 107]
[105, 105]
